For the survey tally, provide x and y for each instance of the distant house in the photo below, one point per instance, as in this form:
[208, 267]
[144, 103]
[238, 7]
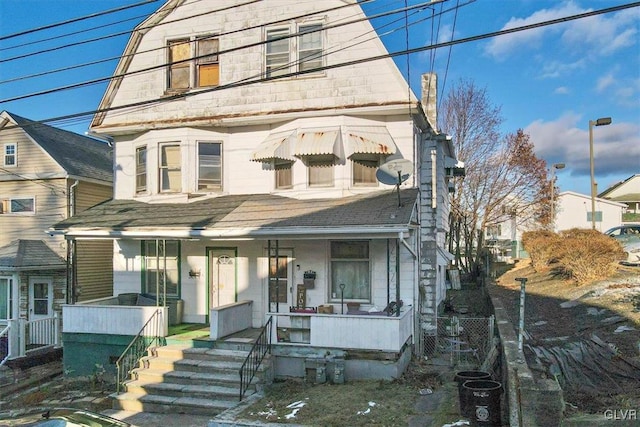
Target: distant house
[288, 201]
[627, 192]
[46, 175]
[574, 211]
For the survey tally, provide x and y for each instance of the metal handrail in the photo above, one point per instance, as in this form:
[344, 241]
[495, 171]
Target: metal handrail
[252, 362]
[138, 347]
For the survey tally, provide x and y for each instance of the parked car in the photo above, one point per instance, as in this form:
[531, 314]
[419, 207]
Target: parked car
[61, 417]
[632, 252]
[625, 233]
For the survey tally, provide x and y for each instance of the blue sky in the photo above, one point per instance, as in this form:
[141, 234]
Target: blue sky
[549, 81]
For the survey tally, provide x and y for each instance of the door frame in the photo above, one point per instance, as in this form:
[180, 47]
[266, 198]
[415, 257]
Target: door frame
[208, 281]
[32, 281]
[290, 254]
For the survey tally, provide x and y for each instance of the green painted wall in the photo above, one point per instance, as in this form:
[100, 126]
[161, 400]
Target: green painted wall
[82, 352]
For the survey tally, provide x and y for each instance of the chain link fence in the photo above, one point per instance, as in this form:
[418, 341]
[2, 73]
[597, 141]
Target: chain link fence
[460, 340]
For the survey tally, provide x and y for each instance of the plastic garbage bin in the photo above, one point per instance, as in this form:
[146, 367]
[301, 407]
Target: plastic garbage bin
[175, 307]
[462, 377]
[483, 400]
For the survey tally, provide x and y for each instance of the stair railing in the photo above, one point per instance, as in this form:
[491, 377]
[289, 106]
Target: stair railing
[148, 336]
[252, 362]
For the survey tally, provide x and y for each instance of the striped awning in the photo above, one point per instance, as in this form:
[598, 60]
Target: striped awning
[318, 142]
[277, 145]
[369, 140]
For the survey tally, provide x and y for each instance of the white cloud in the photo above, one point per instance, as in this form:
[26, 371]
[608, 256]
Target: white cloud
[598, 35]
[604, 82]
[567, 140]
[561, 90]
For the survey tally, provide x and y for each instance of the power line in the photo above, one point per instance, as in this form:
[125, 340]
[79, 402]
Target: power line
[164, 47]
[347, 63]
[234, 49]
[81, 18]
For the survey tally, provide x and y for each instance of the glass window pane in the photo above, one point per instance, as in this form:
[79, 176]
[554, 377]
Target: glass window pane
[141, 169]
[209, 165]
[170, 173]
[284, 175]
[22, 205]
[162, 270]
[350, 267]
[277, 53]
[320, 174]
[310, 47]
[364, 172]
[208, 47]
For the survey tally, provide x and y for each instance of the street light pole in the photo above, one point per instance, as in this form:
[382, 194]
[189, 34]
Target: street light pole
[603, 121]
[553, 189]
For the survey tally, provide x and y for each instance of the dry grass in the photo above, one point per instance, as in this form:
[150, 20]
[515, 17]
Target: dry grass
[355, 403]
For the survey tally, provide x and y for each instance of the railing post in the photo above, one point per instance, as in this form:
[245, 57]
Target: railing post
[56, 329]
[22, 340]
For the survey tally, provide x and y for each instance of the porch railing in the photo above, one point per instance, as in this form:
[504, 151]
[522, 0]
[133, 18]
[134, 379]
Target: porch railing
[20, 337]
[253, 360]
[149, 335]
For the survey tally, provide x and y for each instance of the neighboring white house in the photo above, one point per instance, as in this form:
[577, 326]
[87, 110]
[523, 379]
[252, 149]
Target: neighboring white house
[247, 172]
[574, 211]
[627, 192]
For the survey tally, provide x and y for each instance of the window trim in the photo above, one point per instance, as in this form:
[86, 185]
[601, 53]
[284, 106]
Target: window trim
[145, 269]
[369, 261]
[7, 202]
[5, 155]
[192, 64]
[293, 36]
[213, 188]
[139, 172]
[161, 167]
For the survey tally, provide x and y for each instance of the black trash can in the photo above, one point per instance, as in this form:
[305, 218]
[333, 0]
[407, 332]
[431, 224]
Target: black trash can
[462, 377]
[483, 400]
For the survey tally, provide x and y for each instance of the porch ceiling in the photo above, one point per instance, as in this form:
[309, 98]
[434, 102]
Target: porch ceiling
[247, 216]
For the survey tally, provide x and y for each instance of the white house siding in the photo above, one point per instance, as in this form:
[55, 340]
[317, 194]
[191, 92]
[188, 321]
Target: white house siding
[370, 83]
[574, 212]
[251, 282]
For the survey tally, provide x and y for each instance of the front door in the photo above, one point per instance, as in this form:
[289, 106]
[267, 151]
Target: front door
[40, 307]
[222, 276]
[280, 288]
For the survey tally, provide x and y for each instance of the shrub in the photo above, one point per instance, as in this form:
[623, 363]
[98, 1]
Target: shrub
[587, 255]
[542, 246]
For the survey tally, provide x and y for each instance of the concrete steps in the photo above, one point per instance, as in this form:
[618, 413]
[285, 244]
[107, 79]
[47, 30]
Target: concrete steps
[183, 379]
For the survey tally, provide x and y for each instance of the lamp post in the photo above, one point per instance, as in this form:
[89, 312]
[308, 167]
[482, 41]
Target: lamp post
[553, 189]
[603, 121]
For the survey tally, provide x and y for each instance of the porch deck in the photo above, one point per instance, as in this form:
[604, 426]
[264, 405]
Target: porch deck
[199, 335]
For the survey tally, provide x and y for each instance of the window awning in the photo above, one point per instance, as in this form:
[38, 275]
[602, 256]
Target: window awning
[276, 146]
[318, 142]
[369, 140]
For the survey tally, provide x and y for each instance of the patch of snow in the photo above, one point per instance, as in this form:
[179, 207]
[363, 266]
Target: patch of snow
[569, 304]
[540, 323]
[623, 328]
[595, 311]
[296, 406]
[457, 423]
[371, 405]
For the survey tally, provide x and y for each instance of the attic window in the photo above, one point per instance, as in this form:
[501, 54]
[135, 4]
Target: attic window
[10, 155]
[285, 54]
[184, 72]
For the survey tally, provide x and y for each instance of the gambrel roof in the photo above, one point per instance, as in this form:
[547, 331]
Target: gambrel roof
[255, 215]
[78, 155]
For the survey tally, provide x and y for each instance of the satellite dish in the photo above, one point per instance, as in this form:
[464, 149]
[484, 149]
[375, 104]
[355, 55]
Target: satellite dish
[394, 172]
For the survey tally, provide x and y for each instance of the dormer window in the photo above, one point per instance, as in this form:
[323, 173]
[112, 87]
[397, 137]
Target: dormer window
[184, 72]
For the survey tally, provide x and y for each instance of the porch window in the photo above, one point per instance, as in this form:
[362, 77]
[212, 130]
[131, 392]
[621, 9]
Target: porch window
[278, 280]
[170, 173]
[364, 172]
[9, 155]
[20, 206]
[141, 169]
[5, 298]
[350, 266]
[161, 267]
[284, 176]
[320, 171]
[209, 166]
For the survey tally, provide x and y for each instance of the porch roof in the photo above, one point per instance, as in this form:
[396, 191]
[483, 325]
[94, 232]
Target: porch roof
[250, 216]
[29, 255]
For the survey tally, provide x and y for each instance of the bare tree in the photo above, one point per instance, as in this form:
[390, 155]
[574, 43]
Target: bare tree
[502, 173]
